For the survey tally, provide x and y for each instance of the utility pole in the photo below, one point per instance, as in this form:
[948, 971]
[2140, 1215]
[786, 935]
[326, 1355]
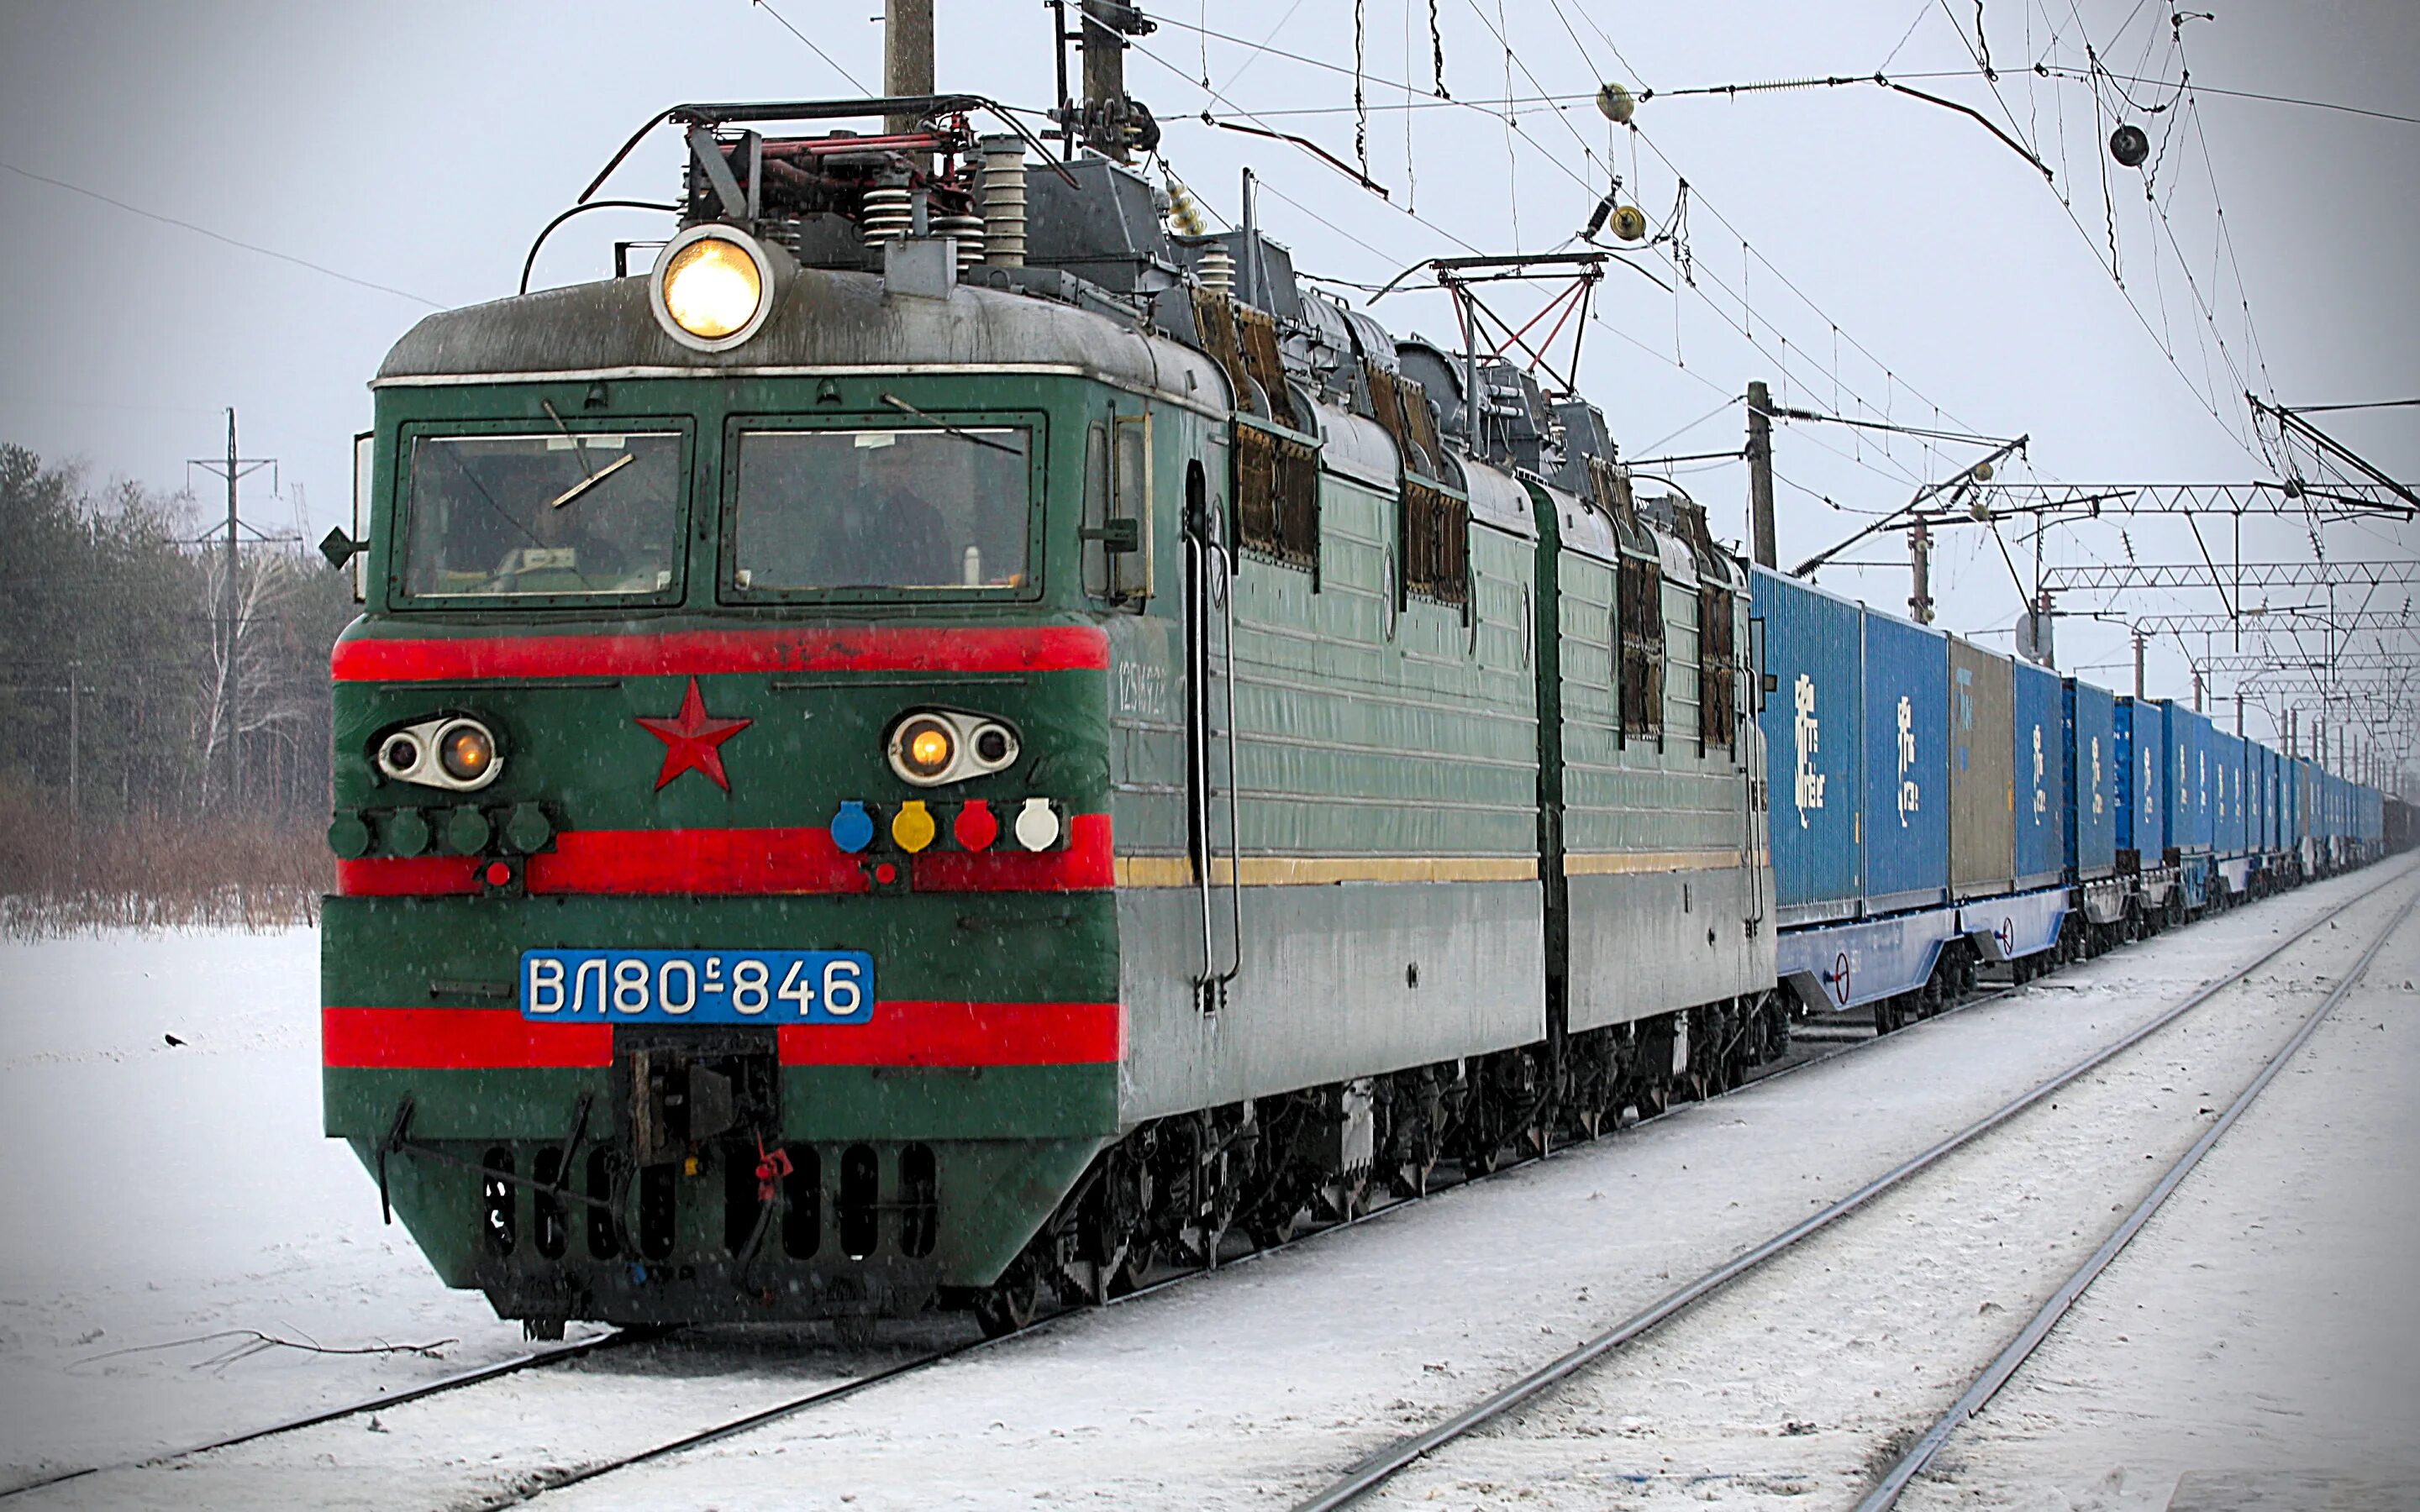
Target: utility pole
[2196, 676]
[1760, 474]
[907, 59]
[1105, 65]
[234, 468]
[75, 754]
[1919, 553]
[2138, 666]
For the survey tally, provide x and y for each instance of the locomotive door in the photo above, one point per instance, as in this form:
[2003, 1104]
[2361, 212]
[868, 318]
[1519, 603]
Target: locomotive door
[1210, 730]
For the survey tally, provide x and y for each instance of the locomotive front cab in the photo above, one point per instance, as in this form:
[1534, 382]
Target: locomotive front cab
[726, 924]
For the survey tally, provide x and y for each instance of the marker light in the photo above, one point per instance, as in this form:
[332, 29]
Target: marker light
[923, 749]
[466, 752]
[933, 746]
[852, 828]
[914, 826]
[451, 751]
[1037, 825]
[712, 286]
[976, 827]
[928, 750]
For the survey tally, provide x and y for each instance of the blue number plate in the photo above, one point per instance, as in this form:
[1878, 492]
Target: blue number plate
[698, 986]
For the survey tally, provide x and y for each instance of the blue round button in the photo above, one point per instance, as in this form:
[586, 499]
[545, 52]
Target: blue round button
[852, 828]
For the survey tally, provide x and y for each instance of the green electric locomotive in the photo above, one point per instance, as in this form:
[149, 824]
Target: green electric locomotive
[952, 743]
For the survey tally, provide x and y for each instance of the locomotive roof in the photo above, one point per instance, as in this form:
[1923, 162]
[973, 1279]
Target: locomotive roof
[823, 319]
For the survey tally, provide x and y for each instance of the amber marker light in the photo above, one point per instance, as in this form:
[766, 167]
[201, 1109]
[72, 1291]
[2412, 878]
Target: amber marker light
[923, 749]
[712, 286]
[467, 752]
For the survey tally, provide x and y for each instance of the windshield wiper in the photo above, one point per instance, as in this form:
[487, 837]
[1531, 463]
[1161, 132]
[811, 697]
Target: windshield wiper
[594, 479]
[898, 403]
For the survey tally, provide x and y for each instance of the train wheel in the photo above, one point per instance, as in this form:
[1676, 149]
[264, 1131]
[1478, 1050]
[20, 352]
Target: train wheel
[1012, 1301]
[1886, 1015]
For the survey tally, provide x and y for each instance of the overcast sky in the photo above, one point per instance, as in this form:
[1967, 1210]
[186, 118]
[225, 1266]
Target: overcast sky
[419, 148]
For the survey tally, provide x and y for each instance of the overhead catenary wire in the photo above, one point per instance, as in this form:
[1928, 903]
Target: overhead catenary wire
[220, 237]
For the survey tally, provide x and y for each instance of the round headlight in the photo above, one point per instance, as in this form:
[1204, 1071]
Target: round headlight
[711, 289]
[925, 748]
[467, 752]
[712, 286]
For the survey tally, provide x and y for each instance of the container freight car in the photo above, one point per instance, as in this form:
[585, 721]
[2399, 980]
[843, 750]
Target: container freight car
[2185, 794]
[1901, 930]
[1812, 735]
[1906, 817]
[1982, 787]
[2231, 815]
[2095, 767]
[2039, 775]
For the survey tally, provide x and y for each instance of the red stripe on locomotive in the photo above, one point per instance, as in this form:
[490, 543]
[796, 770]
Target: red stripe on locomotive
[742, 862]
[705, 653]
[905, 1032]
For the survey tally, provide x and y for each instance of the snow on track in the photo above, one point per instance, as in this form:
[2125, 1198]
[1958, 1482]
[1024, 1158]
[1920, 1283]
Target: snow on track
[1798, 1384]
[187, 1189]
[1249, 1388]
[2262, 1334]
[156, 1192]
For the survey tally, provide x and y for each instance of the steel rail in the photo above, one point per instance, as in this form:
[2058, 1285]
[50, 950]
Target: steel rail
[610, 1338]
[539, 1485]
[762, 1417]
[1375, 1470]
[1886, 1493]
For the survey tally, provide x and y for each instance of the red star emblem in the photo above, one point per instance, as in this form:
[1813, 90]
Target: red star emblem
[692, 738]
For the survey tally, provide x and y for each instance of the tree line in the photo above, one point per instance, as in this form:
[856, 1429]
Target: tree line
[163, 732]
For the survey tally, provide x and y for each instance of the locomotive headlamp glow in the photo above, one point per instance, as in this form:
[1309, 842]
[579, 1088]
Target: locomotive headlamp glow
[933, 746]
[466, 752]
[453, 751]
[712, 286]
[923, 749]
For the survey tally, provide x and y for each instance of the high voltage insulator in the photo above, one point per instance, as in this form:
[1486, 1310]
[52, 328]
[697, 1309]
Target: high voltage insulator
[1629, 222]
[1616, 103]
[2130, 145]
[1184, 211]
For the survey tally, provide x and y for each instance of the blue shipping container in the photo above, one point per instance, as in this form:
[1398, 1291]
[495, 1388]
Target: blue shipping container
[1907, 765]
[2092, 778]
[2186, 785]
[2040, 784]
[1811, 740]
[2229, 813]
[2141, 813]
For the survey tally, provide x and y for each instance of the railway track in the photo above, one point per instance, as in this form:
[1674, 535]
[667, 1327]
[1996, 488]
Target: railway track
[539, 1481]
[1375, 1470]
[1987, 1383]
[459, 1380]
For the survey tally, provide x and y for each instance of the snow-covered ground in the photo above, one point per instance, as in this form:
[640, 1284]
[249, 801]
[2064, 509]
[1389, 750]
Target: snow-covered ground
[152, 1194]
[2258, 1345]
[1785, 1390]
[165, 1192]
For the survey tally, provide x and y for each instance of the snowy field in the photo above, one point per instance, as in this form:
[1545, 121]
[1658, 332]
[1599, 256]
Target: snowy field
[159, 1199]
[158, 1195]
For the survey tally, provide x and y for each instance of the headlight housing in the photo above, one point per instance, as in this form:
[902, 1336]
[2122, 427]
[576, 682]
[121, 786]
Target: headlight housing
[713, 286]
[931, 748]
[452, 751]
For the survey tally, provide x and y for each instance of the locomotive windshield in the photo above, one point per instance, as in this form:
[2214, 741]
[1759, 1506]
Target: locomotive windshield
[524, 515]
[934, 507]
